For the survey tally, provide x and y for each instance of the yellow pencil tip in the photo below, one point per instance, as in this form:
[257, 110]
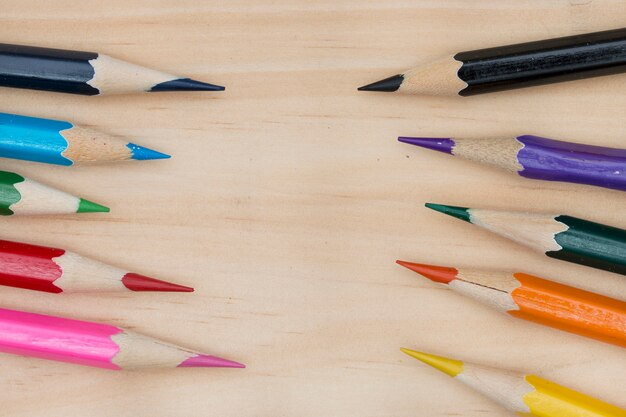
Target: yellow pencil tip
[449, 366]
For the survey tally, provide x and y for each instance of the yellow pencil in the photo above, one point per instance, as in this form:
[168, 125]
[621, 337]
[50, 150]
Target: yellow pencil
[524, 394]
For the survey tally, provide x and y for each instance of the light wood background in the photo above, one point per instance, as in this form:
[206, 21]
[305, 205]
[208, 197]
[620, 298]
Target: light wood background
[288, 199]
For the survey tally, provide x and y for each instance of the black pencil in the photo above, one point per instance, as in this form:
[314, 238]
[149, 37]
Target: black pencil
[85, 73]
[514, 66]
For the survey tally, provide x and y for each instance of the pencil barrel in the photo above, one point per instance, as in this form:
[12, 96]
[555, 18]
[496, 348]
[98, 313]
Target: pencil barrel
[56, 69]
[57, 338]
[543, 62]
[592, 244]
[553, 160]
[570, 309]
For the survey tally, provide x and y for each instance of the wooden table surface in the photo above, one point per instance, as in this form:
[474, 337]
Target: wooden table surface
[288, 199]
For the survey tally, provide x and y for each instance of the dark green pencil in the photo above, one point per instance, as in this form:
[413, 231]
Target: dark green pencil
[558, 236]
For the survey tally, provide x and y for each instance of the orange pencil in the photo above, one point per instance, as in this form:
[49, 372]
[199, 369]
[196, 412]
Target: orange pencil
[536, 299]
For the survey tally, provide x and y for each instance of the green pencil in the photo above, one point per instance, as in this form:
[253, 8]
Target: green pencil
[558, 236]
[24, 197]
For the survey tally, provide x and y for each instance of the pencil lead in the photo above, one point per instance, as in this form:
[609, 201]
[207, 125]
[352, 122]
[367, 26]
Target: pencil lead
[448, 366]
[388, 84]
[136, 282]
[454, 211]
[436, 144]
[186, 84]
[140, 153]
[207, 361]
[441, 274]
[86, 206]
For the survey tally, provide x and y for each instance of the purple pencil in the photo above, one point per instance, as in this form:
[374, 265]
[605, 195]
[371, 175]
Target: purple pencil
[539, 158]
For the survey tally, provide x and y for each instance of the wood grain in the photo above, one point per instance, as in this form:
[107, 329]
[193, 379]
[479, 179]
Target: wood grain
[288, 199]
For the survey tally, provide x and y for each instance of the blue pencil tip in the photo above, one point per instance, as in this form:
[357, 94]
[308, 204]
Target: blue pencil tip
[143, 154]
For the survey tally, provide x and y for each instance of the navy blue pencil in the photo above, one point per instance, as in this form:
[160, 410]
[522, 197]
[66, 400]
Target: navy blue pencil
[85, 73]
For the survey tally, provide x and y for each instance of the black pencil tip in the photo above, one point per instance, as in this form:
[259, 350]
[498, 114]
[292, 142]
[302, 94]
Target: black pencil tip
[186, 84]
[388, 84]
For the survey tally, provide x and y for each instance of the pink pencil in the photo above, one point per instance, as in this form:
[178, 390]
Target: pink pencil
[94, 344]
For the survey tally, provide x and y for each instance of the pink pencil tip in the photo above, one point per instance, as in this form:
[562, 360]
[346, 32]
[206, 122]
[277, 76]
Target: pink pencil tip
[207, 361]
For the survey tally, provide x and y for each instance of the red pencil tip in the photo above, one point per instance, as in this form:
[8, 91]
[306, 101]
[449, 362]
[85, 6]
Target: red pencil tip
[136, 282]
[442, 274]
[207, 361]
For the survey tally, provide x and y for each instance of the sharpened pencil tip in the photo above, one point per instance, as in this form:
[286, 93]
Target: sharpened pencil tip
[140, 153]
[136, 282]
[86, 206]
[441, 274]
[454, 211]
[436, 144]
[448, 366]
[388, 84]
[207, 361]
[186, 84]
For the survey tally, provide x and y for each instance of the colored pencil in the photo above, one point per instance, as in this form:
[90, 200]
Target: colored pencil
[524, 394]
[21, 196]
[94, 344]
[514, 66]
[84, 73]
[62, 143]
[536, 299]
[54, 270]
[558, 236]
[539, 158]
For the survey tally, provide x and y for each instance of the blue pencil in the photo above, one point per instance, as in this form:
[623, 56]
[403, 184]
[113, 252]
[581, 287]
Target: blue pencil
[62, 143]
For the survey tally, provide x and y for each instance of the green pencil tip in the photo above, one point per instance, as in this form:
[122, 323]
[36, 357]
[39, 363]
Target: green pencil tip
[458, 212]
[86, 206]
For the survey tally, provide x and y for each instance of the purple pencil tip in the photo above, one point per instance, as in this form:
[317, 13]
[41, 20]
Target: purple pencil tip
[436, 144]
[207, 361]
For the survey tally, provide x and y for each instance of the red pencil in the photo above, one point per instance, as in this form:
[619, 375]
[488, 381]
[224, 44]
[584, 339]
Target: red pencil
[55, 270]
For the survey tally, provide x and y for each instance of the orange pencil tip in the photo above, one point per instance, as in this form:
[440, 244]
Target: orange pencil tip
[441, 274]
